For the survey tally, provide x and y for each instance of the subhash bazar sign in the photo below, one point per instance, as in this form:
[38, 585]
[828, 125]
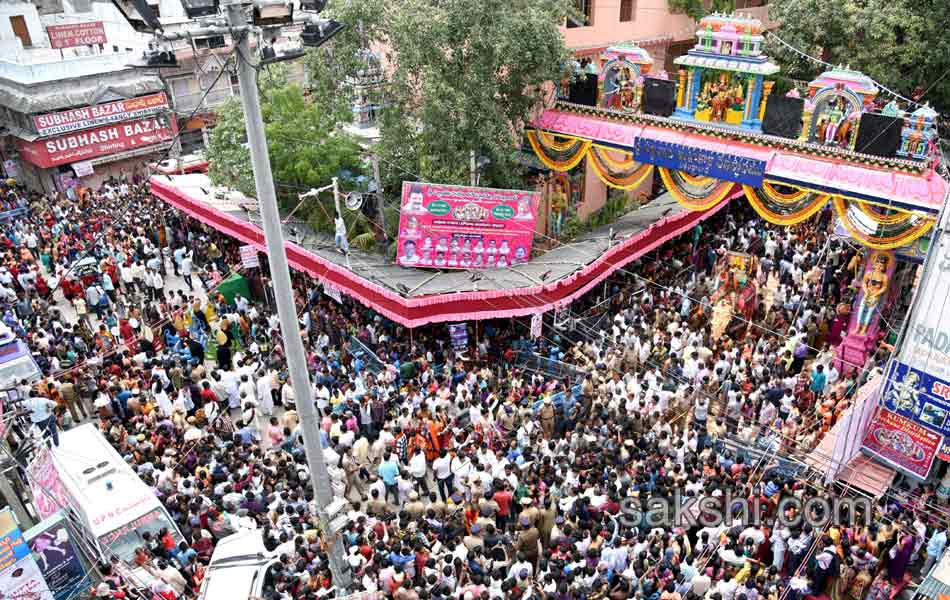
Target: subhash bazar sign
[99, 114]
[92, 143]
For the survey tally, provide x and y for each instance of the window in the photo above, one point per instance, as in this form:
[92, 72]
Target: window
[582, 15]
[18, 23]
[626, 11]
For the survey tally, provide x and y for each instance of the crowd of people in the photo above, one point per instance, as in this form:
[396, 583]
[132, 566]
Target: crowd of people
[470, 474]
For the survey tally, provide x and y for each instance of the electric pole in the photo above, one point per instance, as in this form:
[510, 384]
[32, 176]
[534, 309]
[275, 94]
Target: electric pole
[283, 291]
[379, 195]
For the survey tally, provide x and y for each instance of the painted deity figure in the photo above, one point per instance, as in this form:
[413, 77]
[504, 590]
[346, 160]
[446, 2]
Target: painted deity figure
[721, 317]
[558, 206]
[834, 125]
[874, 285]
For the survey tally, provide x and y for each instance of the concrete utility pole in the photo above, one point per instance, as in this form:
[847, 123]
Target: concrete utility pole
[283, 292]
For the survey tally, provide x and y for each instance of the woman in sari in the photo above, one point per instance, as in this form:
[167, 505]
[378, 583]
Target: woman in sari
[900, 558]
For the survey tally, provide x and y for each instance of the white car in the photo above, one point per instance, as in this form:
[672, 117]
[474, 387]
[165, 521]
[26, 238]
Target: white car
[238, 567]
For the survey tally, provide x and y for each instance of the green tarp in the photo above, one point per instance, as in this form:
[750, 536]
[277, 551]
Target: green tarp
[233, 285]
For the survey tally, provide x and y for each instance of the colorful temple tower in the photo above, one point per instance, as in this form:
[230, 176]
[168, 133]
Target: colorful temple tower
[834, 105]
[721, 79]
[621, 77]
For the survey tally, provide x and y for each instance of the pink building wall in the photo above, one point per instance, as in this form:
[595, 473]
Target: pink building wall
[650, 20]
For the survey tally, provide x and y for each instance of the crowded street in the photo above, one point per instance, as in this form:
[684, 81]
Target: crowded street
[464, 478]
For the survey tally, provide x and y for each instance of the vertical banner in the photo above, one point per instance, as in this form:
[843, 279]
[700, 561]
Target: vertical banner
[458, 333]
[57, 557]
[20, 577]
[536, 324]
[49, 495]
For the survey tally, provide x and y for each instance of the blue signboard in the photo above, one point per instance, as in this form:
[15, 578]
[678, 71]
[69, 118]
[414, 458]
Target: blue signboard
[918, 396]
[700, 162]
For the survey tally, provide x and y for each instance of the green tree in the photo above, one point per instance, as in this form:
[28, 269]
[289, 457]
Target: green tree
[463, 76]
[696, 9]
[306, 149]
[901, 43]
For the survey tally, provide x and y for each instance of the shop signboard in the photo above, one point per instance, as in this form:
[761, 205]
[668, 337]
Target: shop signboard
[91, 143]
[699, 162]
[99, 114]
[76, 34]
[461, 227]
[58, 558]
[902, 443]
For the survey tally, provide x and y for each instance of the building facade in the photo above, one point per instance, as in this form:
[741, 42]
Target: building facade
[71, 108]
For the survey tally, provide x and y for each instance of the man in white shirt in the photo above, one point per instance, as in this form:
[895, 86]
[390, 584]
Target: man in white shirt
[41, 415]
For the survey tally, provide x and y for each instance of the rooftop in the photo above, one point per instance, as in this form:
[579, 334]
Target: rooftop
[415, 297]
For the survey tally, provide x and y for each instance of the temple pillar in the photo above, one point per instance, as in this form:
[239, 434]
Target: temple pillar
[681, 91]
[766, 90]
[696, 75]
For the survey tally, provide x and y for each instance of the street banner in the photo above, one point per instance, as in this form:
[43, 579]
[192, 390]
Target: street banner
[921, 397]
[76, 34]
[333, 292]
[83, 168]
[927, 344]
[83, 145]
[461, 227]
[58, 558]
[902, 443]
[20, 577]
[49, 495]
[100, 114]
[249, 257]
[536, 324]
[13, 547]
[458, 333]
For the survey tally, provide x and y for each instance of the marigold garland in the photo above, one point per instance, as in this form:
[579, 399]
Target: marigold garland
[803, 211]
[711, 199]
[903, 238]
[572, 159]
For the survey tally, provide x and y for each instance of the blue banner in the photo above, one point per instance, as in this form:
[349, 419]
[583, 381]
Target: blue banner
[918, 396]
[700, 162]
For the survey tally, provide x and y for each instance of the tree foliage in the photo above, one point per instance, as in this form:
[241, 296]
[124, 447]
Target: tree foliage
[306, 149]
[462, 76]
[901, 43]
[697, 9]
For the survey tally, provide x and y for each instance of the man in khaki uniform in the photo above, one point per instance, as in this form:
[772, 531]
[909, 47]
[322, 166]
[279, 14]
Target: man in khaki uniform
[415, 507]
[529, 512]
[528, 542]
[546, 415]
[546, 523]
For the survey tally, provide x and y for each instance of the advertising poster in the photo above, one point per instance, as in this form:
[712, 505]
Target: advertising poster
[249, 257]
[13, 547]
[20, 577]
[902, 443]
[49, 495]
[459, 227]
[921, 397]
[458, 333]
[57, 557]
